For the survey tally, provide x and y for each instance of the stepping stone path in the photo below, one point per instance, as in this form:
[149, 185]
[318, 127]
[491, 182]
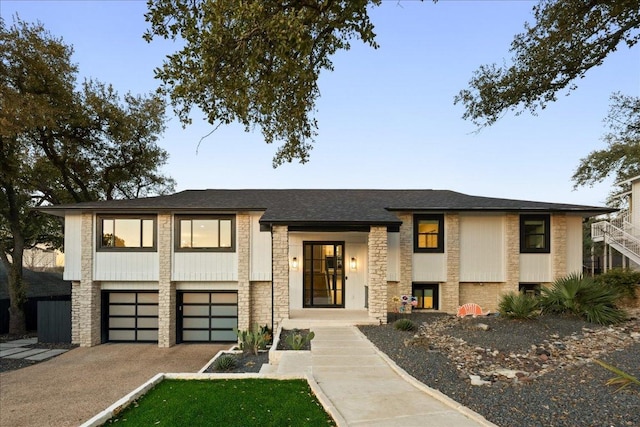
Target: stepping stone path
[21, 349]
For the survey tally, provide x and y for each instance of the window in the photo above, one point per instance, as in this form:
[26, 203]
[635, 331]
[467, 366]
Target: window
[426, 294]
[535, 233]
[531, 289]
[207, 233]
[127, 233]
[428, 233]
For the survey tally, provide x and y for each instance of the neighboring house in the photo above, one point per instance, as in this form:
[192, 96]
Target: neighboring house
[42, 258]
[195, 265]
[40, 286]
[622, 232]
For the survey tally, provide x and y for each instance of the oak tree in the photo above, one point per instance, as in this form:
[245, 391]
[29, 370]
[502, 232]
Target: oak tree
[64, 144]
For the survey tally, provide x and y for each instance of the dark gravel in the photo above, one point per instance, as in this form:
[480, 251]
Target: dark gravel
[247, 363]
[571, 396]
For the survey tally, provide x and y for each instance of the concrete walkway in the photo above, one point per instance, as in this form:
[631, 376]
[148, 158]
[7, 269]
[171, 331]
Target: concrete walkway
[366, 388]
[18, 349]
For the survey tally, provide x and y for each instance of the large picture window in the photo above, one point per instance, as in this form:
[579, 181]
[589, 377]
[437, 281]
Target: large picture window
[208, 233]
[428, 233]
[535, 233]
[127, 233]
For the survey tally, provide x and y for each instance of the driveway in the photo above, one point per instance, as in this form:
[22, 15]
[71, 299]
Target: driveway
[71, 388]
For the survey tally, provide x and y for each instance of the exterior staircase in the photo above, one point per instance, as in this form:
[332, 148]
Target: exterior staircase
[620, 234]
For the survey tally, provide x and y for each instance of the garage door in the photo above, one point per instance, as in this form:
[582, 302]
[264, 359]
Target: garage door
[207, 316]
[131, 316]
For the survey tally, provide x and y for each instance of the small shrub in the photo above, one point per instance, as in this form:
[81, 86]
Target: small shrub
[405, 324]
[624, 280]
[583, 297]
[298, 340]
[225, 363]
[519, 306]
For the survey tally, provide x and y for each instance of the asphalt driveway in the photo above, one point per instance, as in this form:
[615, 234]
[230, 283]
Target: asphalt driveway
[71, 388]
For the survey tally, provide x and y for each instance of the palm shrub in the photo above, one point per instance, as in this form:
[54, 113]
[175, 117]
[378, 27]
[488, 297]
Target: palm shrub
[517, 305]
[582, 297]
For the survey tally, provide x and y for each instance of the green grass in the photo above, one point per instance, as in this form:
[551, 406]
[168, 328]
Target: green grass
[241, 402]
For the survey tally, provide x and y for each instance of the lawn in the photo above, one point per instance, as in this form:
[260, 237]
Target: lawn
[241, 402]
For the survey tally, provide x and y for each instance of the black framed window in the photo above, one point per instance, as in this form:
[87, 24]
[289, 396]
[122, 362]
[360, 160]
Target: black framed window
[428, 233]
[126, 233]
[535, 233]
[531, 289]
[205, 233]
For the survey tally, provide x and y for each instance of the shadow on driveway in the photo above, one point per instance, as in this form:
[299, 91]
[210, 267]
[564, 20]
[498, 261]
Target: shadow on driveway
[71, 388]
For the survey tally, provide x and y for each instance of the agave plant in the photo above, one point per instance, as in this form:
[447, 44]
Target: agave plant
[583, 297]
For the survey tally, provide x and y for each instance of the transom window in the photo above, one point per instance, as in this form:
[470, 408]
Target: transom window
[535, 233]
[213, 233]
[126, 233]
[428, 233]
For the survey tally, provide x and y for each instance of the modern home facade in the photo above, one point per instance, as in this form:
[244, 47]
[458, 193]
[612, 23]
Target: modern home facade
[196, 265]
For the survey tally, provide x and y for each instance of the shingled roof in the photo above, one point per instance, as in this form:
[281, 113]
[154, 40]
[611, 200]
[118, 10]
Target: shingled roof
[295, 206]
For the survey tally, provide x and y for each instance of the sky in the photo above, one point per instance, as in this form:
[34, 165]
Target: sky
[386, 116]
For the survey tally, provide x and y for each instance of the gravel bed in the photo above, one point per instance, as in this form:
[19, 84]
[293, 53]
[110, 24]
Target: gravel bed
[247, 363]
[571, 395]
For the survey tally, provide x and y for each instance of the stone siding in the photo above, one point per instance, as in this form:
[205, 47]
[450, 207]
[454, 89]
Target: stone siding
[377, 278]
[512, 249]
[405, 286]
[75, 312]
[89, 309]
[167, 297]
[559, 245]
[243, 226]
[260, 303]
[280, 251]
[450, 290]
[486, 295]
[393, 290]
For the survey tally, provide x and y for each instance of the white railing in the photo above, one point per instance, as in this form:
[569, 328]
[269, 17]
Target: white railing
[623, 241]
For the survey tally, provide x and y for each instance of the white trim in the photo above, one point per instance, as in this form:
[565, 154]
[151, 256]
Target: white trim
[207, 286]
[142, 286]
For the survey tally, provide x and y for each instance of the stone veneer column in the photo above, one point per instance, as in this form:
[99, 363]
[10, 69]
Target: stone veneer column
[167, 298]
[559, 245]
[405, 287]
[512, 249]
[377, 279]
[280, 261]
[89, 294]
[75, 312]
[450, 295]
[243, 225]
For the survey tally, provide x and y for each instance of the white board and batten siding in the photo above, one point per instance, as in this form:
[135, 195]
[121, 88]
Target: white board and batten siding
[429, 267]
[574, 244]
[205, 266]
[72, 246]
[482, 248]
[126, 266]
[260, 251]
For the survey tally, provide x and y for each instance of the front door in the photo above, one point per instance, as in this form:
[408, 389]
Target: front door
[323, 274]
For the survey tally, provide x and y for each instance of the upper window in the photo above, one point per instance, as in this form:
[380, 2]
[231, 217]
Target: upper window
[428, 233]
[208, 233]
[127, 233]
[535, 233]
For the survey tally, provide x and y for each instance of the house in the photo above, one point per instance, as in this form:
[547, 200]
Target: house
[622, 232]
[195, 265]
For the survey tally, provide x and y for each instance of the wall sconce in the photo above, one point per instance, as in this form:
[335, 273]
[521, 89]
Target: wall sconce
[353, 264]
[294, 263]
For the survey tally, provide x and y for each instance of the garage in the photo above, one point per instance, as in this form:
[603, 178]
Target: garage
[207, 316]
[130, 316]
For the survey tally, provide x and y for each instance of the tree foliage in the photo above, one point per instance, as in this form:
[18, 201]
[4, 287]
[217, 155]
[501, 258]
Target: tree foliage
[61, 144]
[256, 62]
[567, 39]
[621, 157]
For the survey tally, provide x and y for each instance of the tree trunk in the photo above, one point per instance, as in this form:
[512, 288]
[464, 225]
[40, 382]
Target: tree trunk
[17, 296]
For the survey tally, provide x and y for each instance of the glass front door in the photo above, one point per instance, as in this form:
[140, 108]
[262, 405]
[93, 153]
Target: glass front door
[323, 274]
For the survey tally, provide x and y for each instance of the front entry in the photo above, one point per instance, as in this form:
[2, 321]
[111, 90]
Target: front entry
[323, 282]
